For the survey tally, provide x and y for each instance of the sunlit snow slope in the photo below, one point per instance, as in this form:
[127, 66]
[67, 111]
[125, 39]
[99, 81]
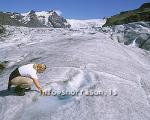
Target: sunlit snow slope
[86, 23]
[87, 59]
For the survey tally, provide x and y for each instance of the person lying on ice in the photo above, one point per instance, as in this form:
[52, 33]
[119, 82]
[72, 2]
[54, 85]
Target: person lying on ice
[24, 76]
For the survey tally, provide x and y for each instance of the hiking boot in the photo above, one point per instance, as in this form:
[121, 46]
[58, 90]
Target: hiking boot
[20, 91]
[27, 89]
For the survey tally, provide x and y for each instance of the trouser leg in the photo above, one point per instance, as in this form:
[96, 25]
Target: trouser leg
[23, 82]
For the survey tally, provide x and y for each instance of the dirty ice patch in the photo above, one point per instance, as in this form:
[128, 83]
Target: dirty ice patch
[74, 80]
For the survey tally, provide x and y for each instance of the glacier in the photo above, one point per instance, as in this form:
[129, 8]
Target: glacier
[86, 59]
[85, 24]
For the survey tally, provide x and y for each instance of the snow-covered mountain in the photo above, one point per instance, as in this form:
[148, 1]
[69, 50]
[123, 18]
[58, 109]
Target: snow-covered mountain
[34, 19]
[89, 60]
[43, 17]
[49, 19]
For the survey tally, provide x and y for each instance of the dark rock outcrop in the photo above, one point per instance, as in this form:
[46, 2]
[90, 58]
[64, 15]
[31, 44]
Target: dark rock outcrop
[58, 21]
[34, 22]
[3, 65]
[2, 29]
[134, 34]
[140, 14]
[10, 19]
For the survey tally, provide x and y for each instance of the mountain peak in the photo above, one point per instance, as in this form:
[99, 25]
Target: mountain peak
[32, 12]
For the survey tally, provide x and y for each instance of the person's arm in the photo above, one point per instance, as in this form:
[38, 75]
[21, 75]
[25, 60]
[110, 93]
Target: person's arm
[37, 84]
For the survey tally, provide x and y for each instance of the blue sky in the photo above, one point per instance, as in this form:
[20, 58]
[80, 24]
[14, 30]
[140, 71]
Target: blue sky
[76, 9]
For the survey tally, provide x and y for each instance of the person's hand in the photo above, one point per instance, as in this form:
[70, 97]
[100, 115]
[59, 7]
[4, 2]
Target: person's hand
[42, 91]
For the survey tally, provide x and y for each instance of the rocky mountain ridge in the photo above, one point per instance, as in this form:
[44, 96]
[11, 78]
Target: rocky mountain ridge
[140, 14]
[34, 19]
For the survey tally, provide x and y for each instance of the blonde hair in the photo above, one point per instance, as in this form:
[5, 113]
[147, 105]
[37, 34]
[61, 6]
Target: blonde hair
[40, 67]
